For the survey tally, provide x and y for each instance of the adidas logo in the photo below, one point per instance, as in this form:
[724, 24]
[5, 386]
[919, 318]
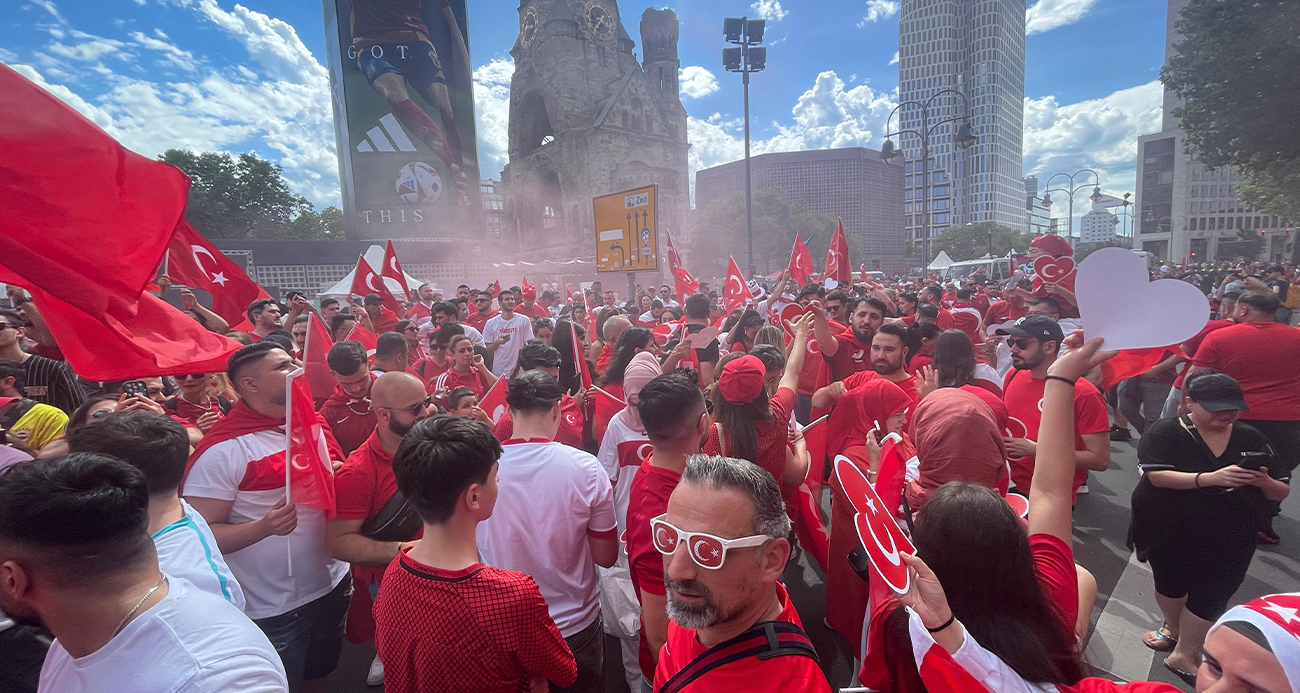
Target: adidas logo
[377, 138]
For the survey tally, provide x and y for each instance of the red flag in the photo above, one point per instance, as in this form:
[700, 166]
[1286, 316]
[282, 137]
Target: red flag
[392, 269]
[366, 281]
[494, 402]
[524, 285]
[578, 359]
[367, 338]
[685, 283]
[736, 294]
[192, 260]
[309, 476]
[800, 262]
[496, 288]
[837, 257]
[1128, 363]
[938, 670]
[314, 354]
[156, 339]
[81, 217]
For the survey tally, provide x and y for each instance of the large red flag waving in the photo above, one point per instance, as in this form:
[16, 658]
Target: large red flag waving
[837, 257]
[392, 269]
[367, 281]
[737, 293]
[360, 333]
[193, 260]
[314, 354]
[685, 283]
[800, 262]
[81, 217]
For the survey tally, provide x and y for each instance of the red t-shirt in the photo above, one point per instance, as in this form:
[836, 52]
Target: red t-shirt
[1023, 395]
[851, 357]
[605, 409]
[451, 379]
[750, 674]
[1054, 563]
[477, 629]
[419, 312]
[191, 413]
[647, 499]
[1190, 346]
[773, 436]
[907, 385]
[426, 370]
[535, 312]
[477, 320]
[386, 321]
[1006, 310]
[569, 433]
[365, 482]
[1262, 356]
[602, 361]
[994, 401]
[918, 361]
[352, 422]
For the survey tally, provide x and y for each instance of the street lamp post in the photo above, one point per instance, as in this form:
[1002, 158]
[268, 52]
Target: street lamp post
[749, 57]
[965, 139]
[1096, 195]
[1128, 218]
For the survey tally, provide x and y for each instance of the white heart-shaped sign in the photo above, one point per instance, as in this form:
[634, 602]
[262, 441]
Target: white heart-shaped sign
[1118, 302]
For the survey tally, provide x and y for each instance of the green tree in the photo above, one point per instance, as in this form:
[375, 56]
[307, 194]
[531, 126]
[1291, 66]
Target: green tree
[247, 197]
[1250, 243]
[971, 241]
[1235, 68]
[720, 231]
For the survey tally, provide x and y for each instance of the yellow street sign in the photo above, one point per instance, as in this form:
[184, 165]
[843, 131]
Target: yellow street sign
[627, 236]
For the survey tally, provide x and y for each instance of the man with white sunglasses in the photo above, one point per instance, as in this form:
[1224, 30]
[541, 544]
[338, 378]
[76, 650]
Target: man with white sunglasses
[725, 544]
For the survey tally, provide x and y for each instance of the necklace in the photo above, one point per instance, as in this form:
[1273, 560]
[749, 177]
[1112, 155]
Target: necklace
[366, 401]
[129, 614]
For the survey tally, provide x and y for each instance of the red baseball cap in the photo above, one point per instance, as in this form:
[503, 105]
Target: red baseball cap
[742, 380]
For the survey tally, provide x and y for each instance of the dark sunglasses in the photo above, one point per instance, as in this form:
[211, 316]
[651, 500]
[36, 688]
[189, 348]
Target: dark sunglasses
[192, 376]
[5, 325]
[415, 409]
[1022, 343]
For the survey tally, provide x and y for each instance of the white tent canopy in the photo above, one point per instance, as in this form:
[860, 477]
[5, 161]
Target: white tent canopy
[941, 261]
[375, 258]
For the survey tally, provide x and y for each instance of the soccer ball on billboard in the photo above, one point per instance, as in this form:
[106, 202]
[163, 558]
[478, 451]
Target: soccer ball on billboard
[418, 184]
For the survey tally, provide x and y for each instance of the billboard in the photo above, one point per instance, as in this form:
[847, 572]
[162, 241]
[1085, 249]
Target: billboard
[403, 93]
[627, 235]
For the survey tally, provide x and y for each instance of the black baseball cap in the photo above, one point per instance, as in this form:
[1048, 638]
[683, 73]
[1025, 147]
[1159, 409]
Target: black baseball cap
[372, 299]
[1039, 327]
[1216, 392]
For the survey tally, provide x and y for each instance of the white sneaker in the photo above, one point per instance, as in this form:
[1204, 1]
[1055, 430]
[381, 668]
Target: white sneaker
[1083, 489]
[376, 675]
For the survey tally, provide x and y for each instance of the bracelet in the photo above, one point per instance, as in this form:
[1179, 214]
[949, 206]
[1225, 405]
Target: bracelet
[1197, 479]
[947, 623]
[1067, 381]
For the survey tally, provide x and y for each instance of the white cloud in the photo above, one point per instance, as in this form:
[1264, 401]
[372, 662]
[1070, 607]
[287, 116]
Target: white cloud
[770, 10]
[1046, 15]
[88, 48]
[827, 115]
[878, 10]
[48, 6]
[492, 115]
[1098, 133]
[697, 82]
[171, 54]
[894, 60]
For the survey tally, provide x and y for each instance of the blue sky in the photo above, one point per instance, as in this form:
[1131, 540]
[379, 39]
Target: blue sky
[240, 76]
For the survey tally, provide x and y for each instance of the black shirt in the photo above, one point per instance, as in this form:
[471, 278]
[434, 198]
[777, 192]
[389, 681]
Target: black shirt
[52, 382]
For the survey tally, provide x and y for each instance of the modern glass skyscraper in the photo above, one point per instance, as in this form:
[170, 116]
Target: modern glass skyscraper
[977, 48]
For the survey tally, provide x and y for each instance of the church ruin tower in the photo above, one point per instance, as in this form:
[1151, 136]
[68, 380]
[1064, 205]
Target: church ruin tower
[588, 119]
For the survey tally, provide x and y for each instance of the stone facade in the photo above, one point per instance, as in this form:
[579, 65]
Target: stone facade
[588, 119]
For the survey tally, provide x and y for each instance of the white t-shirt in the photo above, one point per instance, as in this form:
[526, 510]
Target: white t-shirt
[263, 567]
[187, 549]
[520, 329]
[775, 306]
[190, 642]
[475, 337]
[549, 499]
[621, 454]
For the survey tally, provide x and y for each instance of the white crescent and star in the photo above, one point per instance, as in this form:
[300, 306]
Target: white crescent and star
[218, 278]
[370, 282]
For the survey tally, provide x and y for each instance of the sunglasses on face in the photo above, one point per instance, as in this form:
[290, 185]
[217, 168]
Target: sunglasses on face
[415, 409]
[708, 551]
[412, 329]
[1022, 344]
[7, 325]
[192, 376]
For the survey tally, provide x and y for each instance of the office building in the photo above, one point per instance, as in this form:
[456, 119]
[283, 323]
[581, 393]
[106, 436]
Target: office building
[1098, 226]
[494, 207]
[1182, 210]
[977, 48]
[852, 184]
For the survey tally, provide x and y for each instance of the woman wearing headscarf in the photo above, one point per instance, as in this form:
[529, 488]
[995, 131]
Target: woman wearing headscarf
[633, 341]
[876, 405]
[957, 439]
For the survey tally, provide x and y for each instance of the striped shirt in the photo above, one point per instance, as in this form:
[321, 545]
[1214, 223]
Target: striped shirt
[187, 549]
[52, 382]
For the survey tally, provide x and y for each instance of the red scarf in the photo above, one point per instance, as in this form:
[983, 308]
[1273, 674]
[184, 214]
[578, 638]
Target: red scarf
[261, 475]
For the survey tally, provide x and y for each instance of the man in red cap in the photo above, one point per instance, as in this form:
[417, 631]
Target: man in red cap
[529, 305]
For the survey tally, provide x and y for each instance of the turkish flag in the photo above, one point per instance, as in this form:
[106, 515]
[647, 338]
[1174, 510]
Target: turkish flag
[800, 262]
[314, 354]
[367, 338]
[392, 269]
[192, 260]
[82, 218]
[496, 288]
[524, 285]
[837, 257]
[309, 475]
[1130, 362]
[367, 281]
[737, 292]
[685, 283]
[494, 402]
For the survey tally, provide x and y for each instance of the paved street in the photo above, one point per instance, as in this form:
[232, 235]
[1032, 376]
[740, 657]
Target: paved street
[1125, 604]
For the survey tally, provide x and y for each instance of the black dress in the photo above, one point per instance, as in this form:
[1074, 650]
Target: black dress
[1199, 542]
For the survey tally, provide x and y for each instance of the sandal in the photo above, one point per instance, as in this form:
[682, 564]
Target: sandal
[1187, 677]
[1160, 640]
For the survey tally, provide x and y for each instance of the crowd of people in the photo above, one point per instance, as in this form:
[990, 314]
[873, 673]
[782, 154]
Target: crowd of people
[518, 474]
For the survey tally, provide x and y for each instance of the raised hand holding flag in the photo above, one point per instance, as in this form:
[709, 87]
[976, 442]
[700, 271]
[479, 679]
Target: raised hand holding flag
[367, 281]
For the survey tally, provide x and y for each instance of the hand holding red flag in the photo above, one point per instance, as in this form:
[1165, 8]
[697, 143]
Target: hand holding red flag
[494, 402]
[800, 262]
[837, 257]
[366, 281]
[193, 260]
[309, 474]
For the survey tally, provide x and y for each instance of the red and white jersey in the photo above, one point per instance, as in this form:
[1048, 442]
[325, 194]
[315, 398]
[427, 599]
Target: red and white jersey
[621, 453]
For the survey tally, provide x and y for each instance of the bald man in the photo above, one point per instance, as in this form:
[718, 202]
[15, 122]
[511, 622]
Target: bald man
[613, 329]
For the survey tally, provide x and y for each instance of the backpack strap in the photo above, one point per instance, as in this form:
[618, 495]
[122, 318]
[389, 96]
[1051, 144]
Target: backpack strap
[765, 641]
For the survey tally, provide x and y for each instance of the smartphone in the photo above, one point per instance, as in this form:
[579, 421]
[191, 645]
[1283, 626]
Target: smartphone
[1254, 460]
[135, 387]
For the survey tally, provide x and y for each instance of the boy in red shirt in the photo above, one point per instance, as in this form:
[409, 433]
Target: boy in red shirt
[444, 621]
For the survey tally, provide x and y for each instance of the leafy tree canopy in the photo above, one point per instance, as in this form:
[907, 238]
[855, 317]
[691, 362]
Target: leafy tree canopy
[720, 231]
[971, 241]
[246, 197]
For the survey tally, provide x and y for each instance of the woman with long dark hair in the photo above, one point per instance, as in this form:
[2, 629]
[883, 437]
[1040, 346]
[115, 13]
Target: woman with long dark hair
[922, 340]
[1016, 592]
[741, 337]
[633, 341]
[954, 366]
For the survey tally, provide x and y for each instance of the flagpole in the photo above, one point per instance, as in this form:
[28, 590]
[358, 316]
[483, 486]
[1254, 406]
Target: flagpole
[288, 459]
